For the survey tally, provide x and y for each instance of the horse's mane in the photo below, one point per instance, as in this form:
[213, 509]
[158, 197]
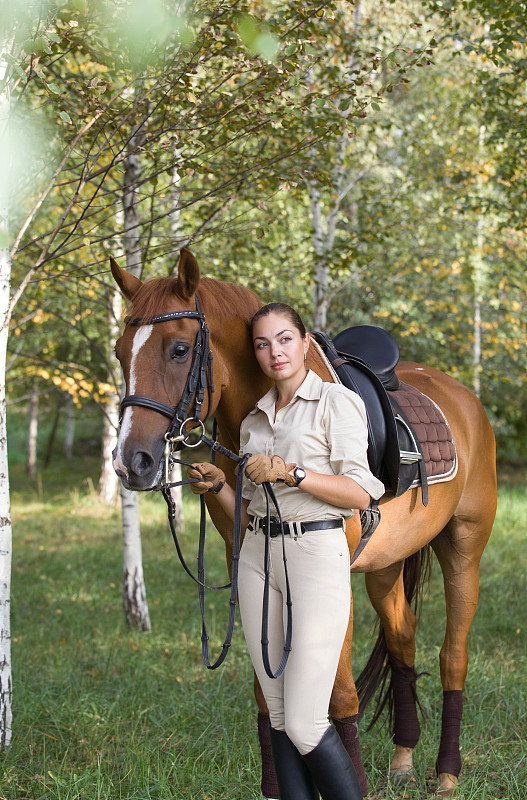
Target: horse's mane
[150, 299]
[217, 297]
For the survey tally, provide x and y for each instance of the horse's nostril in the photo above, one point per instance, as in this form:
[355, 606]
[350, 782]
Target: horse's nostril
[142, 463]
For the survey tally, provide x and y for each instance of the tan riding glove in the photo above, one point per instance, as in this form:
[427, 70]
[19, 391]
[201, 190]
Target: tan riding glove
[263, 469]
[209, 478]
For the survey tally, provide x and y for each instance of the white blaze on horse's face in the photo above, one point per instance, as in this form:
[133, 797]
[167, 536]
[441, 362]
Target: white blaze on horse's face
[141, 336]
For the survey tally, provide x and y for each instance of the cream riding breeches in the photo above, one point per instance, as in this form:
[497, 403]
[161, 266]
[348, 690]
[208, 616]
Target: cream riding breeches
[318, 565]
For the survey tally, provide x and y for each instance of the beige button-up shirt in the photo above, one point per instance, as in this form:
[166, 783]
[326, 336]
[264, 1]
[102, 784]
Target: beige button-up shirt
[323, 429]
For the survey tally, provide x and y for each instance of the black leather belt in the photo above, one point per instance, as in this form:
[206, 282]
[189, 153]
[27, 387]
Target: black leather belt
[294, 528]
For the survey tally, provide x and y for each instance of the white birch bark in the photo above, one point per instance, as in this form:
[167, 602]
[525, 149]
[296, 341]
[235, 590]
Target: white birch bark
[324, 227]
[108, 480]
[478, 277]
[6, 532]
[134, 592]
[32, 434]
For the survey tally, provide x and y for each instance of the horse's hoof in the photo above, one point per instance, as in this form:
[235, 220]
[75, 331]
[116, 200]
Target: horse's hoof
[447, 787]
[402, 776]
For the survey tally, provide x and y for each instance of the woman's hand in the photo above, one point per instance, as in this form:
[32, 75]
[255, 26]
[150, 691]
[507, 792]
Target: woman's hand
[264, 469]
[210, 478]
[207, 477]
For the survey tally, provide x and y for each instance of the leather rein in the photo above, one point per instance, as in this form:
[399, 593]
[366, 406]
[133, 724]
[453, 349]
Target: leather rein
[200, 379]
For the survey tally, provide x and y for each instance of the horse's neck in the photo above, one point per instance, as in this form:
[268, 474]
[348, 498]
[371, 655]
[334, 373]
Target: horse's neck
[243, 385]
[242, 381]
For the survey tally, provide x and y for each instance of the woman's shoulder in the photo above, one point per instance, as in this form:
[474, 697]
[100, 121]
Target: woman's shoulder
[335, 396]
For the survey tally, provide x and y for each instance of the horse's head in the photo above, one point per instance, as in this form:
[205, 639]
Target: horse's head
[156, 357]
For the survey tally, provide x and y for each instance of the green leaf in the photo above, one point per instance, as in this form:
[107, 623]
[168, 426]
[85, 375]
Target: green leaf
[29, 47]
[256, 39]
[65, 116]
[41, 44]
[53, 88]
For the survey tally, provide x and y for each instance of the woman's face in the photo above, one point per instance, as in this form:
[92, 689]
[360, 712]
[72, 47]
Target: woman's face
[279, 347]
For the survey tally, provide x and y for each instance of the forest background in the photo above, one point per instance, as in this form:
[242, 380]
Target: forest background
[362, 161]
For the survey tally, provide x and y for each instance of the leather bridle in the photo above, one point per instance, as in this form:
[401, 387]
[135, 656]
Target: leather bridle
[200, 377]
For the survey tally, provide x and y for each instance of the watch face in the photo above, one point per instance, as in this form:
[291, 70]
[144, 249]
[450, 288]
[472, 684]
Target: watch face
[299, 474]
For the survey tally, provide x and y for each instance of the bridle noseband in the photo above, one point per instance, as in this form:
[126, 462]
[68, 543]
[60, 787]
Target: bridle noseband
[200, 378]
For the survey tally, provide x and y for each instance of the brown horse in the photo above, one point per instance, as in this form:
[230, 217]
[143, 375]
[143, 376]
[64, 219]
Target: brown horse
[156, 360]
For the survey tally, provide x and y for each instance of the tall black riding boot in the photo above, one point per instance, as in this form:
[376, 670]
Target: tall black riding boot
[332, 769]
[294, 779]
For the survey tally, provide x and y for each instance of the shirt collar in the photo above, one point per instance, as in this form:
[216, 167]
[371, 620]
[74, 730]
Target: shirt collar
[309, 389]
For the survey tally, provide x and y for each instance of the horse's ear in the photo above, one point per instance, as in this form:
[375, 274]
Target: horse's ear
[188, 274]
[127, 283]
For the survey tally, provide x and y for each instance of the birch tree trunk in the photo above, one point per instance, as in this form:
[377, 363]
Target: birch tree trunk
[53, 432]
[6, 532]
[478, 277]
[324, 227]
[32, 435]
[134, 592]
[108, 481]
[70, 427]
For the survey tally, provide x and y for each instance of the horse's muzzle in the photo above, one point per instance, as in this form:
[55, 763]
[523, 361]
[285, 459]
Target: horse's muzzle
[139, 471]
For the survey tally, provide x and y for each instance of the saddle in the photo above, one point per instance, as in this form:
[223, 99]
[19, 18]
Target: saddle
[408, 436]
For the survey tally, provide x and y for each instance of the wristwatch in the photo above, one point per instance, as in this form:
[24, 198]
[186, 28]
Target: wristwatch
[299, 474]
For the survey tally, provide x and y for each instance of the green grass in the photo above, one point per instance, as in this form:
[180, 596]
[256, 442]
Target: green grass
[104, 712]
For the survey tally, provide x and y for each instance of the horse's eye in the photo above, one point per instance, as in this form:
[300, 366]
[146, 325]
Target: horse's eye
[180, 351]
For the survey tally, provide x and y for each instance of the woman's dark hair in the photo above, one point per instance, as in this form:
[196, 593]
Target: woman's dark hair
[280, 308]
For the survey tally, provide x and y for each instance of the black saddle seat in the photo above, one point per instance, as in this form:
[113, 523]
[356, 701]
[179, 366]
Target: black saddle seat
[376, 347]
[355, 374]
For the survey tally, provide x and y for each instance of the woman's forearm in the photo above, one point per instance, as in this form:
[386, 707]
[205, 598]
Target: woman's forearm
[227, 499]
[337, 490]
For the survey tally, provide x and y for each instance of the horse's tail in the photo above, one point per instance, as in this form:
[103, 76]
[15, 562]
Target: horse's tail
[377, 672]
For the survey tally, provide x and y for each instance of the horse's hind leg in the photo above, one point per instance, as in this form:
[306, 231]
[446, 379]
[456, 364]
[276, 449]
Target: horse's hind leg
[387, 594]
[458, 549]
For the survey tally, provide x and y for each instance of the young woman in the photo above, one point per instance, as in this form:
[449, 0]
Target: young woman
[308, 438]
